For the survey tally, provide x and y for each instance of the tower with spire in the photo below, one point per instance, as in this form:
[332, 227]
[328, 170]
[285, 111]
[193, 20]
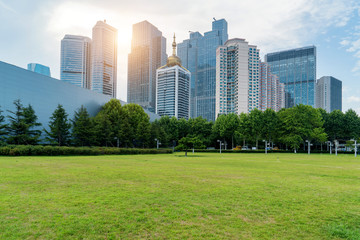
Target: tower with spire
[173, 88]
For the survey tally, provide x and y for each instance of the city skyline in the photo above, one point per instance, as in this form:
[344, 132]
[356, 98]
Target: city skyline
[332, 27]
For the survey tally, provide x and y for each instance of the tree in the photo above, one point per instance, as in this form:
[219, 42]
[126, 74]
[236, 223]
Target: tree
[256, 124]
[156, 132]
[351, 126]
[82, 128]
[199, 127]
[226, 127]
[300, 123]
[334, 124]
[270, 124]
[187, 143]
[245, 128]
[3, 127]
[23, 125]
[139, 125]
[59, 125]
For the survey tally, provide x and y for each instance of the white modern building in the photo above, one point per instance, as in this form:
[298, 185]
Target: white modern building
[272, 92]
[328, 94]
[173, 88]
[237, 77]
[104, 59]
[75, 60]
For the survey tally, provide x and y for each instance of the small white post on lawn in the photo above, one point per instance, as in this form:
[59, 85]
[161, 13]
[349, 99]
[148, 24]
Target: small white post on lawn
[157, 143]
[219, 141]
[336, 145]
[355, 149]
[308, 146]
[265, 146]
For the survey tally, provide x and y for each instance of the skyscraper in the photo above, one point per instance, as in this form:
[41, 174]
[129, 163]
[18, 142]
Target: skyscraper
[296, 68]
[75, 60]
[198, 54]
[148, 53]
[173, 88]
[272, 92]
[237, 77]
[104, 59]
[38, 68]
[329, 94]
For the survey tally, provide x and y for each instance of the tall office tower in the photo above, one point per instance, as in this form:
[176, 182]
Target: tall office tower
[148, 53]
[104, 59]
[272, 92]
[38, 68]
[173, 88]
[198, 54]
[237, 77]
[296, 68]
[75, 60]
[329, 94]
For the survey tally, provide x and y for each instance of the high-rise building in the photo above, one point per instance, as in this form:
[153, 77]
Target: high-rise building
[104, 59]
[148, 53]
[329, 94]
[38, 68]
[75, 60]
[173, 88]
[198, 54]
[237, 77]
[272, 92]
[296, 68]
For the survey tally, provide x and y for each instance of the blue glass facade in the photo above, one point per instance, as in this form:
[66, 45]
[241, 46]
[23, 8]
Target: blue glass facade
[296, 69]
[198, 55]
[38, 68]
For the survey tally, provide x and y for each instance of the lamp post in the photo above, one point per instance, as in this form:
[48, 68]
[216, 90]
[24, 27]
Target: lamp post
[308, 145]
[355, 147]
[336, 145]
[219, 141]
[330, 143]
[265, 146]
[157, 143]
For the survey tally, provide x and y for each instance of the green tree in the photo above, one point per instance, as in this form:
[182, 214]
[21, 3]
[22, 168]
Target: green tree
[23, 125]
[139, 124]
[187, 143]
[351, 126]
[334, 124]
[226, 127]
[3, 128]
[82, 128]
[201, 128]
[156, 132]
[244, 128]
[270, 125]
[256, 118]
[59, 126]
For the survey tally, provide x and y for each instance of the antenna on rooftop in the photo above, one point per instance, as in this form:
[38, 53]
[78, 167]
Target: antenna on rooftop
[214, 19]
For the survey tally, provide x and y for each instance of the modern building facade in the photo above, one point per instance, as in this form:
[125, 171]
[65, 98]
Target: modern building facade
[237, 77]
[45, 93]
[75, 60]
[329, 94]
[104, 59]
[38, 68]
[296, 69]
[148, 53]
[272, 92]
[198, 54]
[173, 88]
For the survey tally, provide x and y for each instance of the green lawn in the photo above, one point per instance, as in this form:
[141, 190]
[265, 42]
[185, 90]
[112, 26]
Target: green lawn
[212, 196]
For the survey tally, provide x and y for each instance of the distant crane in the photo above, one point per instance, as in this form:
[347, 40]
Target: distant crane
[214, 19]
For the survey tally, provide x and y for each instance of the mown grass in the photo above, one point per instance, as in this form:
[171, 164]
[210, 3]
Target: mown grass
[203, 196]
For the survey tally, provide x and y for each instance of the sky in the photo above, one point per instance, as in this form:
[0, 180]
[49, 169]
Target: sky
[31, 31]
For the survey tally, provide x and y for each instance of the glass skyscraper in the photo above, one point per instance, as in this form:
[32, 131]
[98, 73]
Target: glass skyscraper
[38, 68]
[329, 94]
[148, 53]
[296, 68]
[75, 60]
[198, 55]
[104, 59]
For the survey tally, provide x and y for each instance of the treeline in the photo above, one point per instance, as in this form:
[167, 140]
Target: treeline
[129, 126]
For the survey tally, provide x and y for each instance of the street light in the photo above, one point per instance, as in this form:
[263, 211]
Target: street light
[330, 143]
[308, 145]
[219, 141]
[157, 143]
[265, 146]
[355, 147]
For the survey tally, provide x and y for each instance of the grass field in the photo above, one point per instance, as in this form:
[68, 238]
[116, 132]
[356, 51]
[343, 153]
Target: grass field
[212, 196]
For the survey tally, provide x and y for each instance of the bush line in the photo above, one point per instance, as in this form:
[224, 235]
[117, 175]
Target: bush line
[39, 150]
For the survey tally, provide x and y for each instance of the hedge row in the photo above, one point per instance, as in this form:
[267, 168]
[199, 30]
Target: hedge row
[38, 150]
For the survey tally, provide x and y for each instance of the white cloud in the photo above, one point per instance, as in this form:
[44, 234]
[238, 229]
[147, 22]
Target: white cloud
[6, 7]
[353, 99]
[345, 42]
